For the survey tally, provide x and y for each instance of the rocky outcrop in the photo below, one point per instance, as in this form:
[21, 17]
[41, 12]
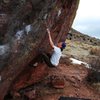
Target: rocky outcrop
[78, 36]
[30, 76]
[64, 81]
[25, 34]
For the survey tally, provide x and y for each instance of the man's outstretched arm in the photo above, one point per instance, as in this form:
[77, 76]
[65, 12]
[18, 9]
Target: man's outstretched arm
[50, 39]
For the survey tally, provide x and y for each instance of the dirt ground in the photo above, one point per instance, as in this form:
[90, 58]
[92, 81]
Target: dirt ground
[75, 84]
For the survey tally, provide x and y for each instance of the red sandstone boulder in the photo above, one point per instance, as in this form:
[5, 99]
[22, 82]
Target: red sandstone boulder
[30, 94]
[58, 82]
[58, 14]
[31, 76]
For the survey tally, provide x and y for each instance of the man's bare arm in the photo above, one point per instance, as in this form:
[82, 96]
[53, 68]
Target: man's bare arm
[50, 39]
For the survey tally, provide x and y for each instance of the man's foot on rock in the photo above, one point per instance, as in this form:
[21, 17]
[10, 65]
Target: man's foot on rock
[34, 65]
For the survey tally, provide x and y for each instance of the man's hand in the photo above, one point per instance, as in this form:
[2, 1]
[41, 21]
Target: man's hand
[48, 30]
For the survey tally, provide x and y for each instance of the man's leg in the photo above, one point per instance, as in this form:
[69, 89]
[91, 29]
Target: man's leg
[43, 57]
[46, 58]
[36, 60]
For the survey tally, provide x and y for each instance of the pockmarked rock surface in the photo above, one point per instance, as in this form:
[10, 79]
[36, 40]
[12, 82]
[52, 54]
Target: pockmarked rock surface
[24, 42]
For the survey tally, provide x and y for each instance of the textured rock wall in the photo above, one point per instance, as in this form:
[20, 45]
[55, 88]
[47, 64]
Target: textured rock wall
[24, 46]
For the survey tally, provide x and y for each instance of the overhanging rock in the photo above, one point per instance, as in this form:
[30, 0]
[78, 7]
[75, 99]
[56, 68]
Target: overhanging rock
[24, 41]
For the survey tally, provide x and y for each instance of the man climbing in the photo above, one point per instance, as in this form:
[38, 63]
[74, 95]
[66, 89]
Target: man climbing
[51, 60]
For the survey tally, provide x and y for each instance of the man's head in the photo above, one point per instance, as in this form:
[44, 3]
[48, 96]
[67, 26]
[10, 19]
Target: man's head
[61, 45]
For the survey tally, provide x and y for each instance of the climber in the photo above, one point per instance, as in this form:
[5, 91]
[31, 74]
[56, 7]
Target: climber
[51, 60]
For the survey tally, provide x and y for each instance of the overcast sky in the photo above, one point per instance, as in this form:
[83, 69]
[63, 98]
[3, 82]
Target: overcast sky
[87, 19]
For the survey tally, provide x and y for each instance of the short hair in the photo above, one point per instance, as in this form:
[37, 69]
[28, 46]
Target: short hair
[63, 46]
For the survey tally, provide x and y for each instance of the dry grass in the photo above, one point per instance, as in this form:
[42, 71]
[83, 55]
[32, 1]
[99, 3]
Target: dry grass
[96, 86]
[95, 51]
[95, 63]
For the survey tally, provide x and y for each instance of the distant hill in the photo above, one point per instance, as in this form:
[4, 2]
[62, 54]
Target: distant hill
[78, 36]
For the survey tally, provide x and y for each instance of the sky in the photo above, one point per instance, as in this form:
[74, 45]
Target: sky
[87, 19]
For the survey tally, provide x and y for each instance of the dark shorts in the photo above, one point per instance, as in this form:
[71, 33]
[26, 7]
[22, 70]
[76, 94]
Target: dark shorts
[43, 57]
[46, 58]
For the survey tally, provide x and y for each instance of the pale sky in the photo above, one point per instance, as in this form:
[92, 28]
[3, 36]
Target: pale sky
[87, 19]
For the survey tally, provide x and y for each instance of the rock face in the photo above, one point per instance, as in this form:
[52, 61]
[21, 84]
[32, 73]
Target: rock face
[25, 33]
[30, 76]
